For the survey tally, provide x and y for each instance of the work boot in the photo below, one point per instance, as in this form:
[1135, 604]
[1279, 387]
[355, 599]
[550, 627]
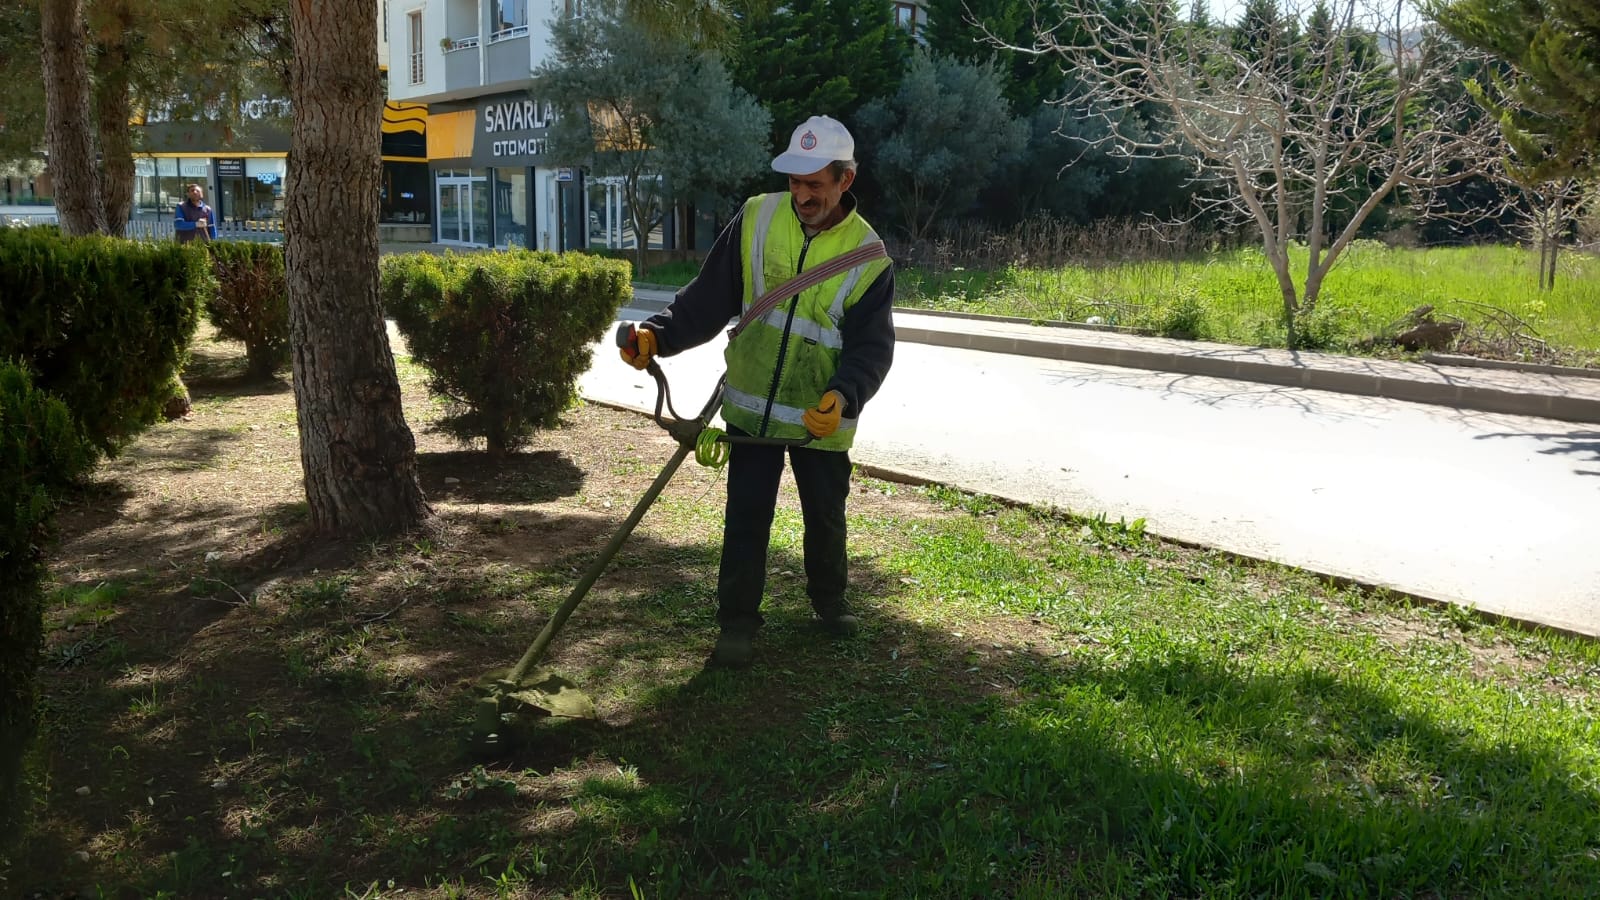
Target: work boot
[736, 649]
[839, 623]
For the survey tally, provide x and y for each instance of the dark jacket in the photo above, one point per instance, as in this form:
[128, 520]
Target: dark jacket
[183, 226]
[707, 304]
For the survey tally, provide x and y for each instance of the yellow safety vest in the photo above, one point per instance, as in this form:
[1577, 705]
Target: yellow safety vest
[780, 364]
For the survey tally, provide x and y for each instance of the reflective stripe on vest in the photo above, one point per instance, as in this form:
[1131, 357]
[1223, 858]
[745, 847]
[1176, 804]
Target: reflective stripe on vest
[780, 413]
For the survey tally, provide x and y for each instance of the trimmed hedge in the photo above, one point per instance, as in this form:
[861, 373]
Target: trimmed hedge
[103, 323]
[41, 452]
[251, 304]
[504, 336]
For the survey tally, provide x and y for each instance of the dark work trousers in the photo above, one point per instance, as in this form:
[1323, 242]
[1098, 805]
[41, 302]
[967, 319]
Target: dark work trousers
[823, 478]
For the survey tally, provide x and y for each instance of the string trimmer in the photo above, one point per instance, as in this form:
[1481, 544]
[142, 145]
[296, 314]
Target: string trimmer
[523, 694]
[511, 699]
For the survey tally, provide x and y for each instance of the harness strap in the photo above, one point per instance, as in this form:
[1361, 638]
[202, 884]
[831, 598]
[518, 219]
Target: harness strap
[808, 279]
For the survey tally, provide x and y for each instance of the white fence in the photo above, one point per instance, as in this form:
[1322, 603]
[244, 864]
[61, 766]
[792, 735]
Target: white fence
[152, 229]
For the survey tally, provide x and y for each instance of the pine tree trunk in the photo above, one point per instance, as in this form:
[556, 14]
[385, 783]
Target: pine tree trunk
[69, 129]
[113, 109]
[358, 454]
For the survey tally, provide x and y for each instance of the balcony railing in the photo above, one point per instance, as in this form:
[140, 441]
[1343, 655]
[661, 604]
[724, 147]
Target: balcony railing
[506, 34]
[466, 43]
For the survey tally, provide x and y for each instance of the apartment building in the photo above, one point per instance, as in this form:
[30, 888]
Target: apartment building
[492, 180]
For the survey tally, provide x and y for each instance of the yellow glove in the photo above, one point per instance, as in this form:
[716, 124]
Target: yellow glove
[823, 419]
[643, 349]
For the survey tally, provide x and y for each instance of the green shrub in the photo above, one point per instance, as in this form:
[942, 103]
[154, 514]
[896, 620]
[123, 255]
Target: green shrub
[41, 451]
[103, 323]
[1327, 327]
[1182, 316]
[251, 304]
[504, 336]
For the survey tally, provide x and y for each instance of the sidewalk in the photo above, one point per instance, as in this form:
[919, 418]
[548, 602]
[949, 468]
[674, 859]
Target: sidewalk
[1546, 394]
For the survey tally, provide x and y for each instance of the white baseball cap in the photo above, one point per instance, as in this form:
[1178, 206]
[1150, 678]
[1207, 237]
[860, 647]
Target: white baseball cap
[818, 141]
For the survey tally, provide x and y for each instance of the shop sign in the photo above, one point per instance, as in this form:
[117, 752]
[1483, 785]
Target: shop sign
[514, 132]
[230, 168]
[564, 173]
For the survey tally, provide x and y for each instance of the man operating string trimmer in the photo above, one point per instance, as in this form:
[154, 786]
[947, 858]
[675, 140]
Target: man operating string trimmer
[806, 367]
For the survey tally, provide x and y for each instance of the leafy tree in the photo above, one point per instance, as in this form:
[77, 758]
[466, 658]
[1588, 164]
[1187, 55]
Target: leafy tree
[1549, 105]
[68, 129]
[939, 139]
[1067, 173]
[662, 116]
[22, 103]
[819, 58]
[961, 29]
[129, 56]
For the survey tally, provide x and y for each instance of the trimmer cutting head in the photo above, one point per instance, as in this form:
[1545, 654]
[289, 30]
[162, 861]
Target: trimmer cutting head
[506, 709]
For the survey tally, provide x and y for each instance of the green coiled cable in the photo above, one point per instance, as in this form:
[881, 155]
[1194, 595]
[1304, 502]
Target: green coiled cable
[710, 450]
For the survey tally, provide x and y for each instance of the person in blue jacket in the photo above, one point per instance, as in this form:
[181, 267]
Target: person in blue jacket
[195, 218]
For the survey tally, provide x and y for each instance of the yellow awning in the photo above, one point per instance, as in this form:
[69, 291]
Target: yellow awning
[450, 134]
[398, 117]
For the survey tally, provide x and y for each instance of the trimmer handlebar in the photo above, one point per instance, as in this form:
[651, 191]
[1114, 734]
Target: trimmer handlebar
[687, 431]
[627, 335]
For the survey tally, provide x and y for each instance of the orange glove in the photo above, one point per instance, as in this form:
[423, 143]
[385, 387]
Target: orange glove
[643, 349]
[823, 419]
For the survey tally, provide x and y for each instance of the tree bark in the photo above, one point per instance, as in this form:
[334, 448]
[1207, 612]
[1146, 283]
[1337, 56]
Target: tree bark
[69, 129]
[358, 455]
[113, 109]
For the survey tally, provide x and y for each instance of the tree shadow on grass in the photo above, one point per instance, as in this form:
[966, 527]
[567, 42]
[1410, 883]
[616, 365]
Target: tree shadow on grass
[229, 385]
[293, 755]
[466, 476]
[182, 450]
[93, 505]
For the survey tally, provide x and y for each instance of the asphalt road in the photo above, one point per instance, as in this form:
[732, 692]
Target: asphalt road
[1493, 511]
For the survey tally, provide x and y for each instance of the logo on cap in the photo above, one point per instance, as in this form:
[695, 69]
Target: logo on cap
[808, 141]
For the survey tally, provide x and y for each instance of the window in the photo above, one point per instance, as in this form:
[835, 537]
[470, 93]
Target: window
[511, 18]
[574, 9]
[910, 16]
[414, 30]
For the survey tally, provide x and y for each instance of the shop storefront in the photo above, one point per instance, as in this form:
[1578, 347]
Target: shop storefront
[243, 169]
[494, 182]
[404, 200]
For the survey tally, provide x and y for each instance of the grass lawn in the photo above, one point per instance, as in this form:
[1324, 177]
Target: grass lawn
[1038, 707]
[1233, 297]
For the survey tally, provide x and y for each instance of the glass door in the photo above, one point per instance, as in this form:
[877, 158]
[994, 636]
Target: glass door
[449, 211]
[477, 197]
[463, 209]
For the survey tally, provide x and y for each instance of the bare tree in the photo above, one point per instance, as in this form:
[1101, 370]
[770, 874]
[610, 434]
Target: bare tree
[1547, 211]
[69, 127]
[1309, 124]
[358, 455]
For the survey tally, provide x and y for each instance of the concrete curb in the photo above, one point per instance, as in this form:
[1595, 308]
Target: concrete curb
[1473, 362]
[1438, 393]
